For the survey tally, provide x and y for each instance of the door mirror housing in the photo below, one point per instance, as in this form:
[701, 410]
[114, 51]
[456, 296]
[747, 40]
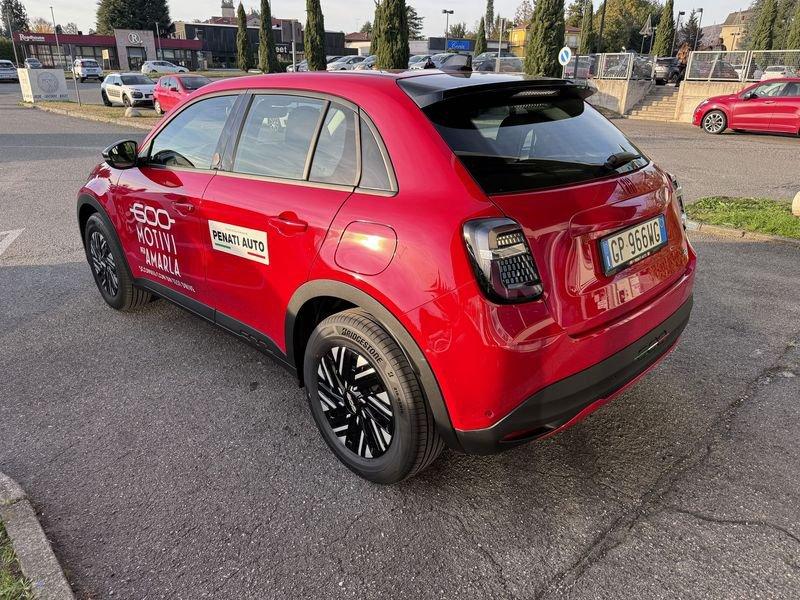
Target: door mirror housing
[122, 155]
[749, 96]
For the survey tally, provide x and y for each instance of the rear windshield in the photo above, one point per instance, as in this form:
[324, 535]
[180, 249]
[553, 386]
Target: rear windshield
[5, 64]
[515, 146]
[88, 63]
[194, 83]
[136, 80]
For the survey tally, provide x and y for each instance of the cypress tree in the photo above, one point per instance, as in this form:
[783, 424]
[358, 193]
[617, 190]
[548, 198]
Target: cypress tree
[488, 25]
[393, 48]
[314, 41]
[665, 32]
[587, 29]
[377, 29]
[793, 36]
[782, 23]
[242, 43]
[480, 39]
[764, 30]
[545, 39]
[267, 56]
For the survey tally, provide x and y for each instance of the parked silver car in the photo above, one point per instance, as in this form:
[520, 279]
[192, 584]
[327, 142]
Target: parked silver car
[128, 89]
[86, 68]
[346, 63]
[8, 72]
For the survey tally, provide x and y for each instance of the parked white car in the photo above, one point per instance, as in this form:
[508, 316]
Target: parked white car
[778, 72]
[8, 72]
[127, 89]
[345, 63]
[87, 68]
[162, 66]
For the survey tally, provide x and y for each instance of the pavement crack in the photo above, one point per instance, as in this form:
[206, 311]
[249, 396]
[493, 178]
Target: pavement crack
[743, 522]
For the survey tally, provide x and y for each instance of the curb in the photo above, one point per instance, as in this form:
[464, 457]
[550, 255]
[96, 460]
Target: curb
[31, 546]
[120, 122]
[739, 233]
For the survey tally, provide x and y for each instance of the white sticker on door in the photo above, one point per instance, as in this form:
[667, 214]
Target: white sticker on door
[239, 241]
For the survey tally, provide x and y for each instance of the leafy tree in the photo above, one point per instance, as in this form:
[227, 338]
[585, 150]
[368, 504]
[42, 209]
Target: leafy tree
[243, 52]
[267, 56]
[488, 24]
[314, 40]
[14, 11]
[71, 28]
[793, 35]
[41, 25]
[665, 31]
[6, 49]
[764, 30]
[545, 39]
[574, 15]
[480, 39]
[415, 23]
[393, 49]
[366, 27]
[132, 14]
[457, 31]
[524, 13]
[587, 29]
[690, 31]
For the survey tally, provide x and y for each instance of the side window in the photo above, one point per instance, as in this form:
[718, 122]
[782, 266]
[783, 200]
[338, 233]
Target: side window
[277, 135]
[335, 155]
[190, 139]
[792, 89]
[769, 89]
[374, 171]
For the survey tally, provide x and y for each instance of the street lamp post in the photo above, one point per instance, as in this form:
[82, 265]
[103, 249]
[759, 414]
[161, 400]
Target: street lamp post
[677, 28]
[55, 30]
[158, 35]
[11, 35]
[699, 28]
[294, 55]
[446, 14]
[500, 46]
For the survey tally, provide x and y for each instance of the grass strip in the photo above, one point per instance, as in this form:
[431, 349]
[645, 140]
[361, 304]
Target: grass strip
[761, 215]
[13, 586]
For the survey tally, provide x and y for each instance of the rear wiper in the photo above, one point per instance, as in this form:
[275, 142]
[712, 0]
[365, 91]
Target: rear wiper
[620, 159]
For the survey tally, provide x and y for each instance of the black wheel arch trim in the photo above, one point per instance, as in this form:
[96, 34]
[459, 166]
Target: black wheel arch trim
[344, 291]
[84, 200]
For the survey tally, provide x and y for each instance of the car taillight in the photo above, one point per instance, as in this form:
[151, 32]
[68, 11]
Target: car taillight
[501, 260]
[678, 190]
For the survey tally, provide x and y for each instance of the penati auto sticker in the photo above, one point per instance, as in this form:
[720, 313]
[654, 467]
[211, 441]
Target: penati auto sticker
[157, 242]
[239, 241]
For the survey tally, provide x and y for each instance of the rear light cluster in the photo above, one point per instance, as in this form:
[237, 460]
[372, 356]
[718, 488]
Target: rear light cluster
[502, 261]
[678, 190]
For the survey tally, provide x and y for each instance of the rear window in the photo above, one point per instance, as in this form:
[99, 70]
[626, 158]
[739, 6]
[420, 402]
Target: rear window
[522, 143]
[6, 64]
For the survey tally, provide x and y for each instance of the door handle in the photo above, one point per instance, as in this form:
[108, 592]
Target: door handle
[770, 102]
[184, 208]
[288, 224]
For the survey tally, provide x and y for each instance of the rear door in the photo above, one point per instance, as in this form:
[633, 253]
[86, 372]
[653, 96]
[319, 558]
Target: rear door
[786, 110]
[755, 114]
[161, 200]
[266, 214]
[573, 181]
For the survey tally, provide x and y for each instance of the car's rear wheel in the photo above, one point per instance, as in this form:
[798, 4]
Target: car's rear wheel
[366, 399]
[104, 98]
[715, 122]
[109, 269]
[157, 108]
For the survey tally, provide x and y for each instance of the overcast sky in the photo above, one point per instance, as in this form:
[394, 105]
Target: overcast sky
[345, 15]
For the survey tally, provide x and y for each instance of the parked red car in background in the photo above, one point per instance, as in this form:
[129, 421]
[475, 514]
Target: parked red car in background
[171, 89]
[770, 106]
[475, 260]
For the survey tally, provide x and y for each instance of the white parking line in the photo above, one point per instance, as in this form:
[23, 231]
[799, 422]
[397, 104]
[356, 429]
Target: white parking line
[7, 238]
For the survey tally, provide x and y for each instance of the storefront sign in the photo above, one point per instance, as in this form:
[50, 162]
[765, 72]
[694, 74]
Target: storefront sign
[42, 85]
[27, 37]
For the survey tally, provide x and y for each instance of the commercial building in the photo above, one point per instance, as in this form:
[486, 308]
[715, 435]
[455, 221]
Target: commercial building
[518, 36]
[126, 50]
[733, 29]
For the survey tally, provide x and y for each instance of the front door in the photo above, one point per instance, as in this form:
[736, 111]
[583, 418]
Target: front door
[755, 114]
[160, 201]
[266, 218]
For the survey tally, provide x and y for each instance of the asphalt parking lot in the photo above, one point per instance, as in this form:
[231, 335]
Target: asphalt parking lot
[168, 460]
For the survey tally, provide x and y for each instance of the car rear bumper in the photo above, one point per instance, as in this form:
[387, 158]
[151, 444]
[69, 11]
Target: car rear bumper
[567, 401]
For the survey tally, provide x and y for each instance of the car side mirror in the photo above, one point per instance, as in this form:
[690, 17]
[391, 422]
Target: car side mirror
[122, 155]
[173, 88]
[749, 96]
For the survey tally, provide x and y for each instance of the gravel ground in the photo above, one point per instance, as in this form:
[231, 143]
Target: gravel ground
[168, 460]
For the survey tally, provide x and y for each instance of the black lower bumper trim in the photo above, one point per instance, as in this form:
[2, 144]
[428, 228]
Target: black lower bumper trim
[558, 403]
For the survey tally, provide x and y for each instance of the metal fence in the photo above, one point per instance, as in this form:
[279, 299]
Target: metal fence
[743, 65]
[618, 65]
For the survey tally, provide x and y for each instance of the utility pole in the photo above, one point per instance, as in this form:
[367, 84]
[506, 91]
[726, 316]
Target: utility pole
[55, 30]
[500, 46]
[13, 45]
[602, 26]
[294, 55]
[699, 29]
[446, 14]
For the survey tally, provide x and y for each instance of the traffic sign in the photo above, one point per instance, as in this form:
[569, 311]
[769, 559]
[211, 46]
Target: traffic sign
[564, 56]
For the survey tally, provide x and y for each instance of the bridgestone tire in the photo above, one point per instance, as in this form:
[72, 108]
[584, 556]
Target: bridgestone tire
[415, 443]
[128, 297]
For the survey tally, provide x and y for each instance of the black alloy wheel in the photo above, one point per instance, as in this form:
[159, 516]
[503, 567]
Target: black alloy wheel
[355, 402]
[103, 265]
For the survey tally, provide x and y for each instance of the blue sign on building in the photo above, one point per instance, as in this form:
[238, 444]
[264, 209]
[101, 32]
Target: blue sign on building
[460, 45]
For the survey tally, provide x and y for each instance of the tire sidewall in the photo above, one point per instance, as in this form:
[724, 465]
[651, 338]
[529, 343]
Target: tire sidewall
[724, 122]
[398, 459]
[97, 223]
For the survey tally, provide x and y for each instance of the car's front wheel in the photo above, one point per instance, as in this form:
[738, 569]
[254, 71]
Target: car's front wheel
[125, 100]
[104, 98]
[715, 122]
[366, 399]
[109, 269]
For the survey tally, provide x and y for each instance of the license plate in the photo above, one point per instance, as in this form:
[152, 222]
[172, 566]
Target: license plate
[630, 245]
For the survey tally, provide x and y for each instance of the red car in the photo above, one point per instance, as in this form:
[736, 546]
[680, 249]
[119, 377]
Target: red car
[470, 260]
[171, 89]
[768, 106]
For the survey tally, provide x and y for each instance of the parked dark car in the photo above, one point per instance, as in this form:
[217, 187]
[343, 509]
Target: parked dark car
[665, 68]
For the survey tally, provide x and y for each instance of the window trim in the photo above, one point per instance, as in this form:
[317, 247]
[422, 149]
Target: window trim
[387, 160]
